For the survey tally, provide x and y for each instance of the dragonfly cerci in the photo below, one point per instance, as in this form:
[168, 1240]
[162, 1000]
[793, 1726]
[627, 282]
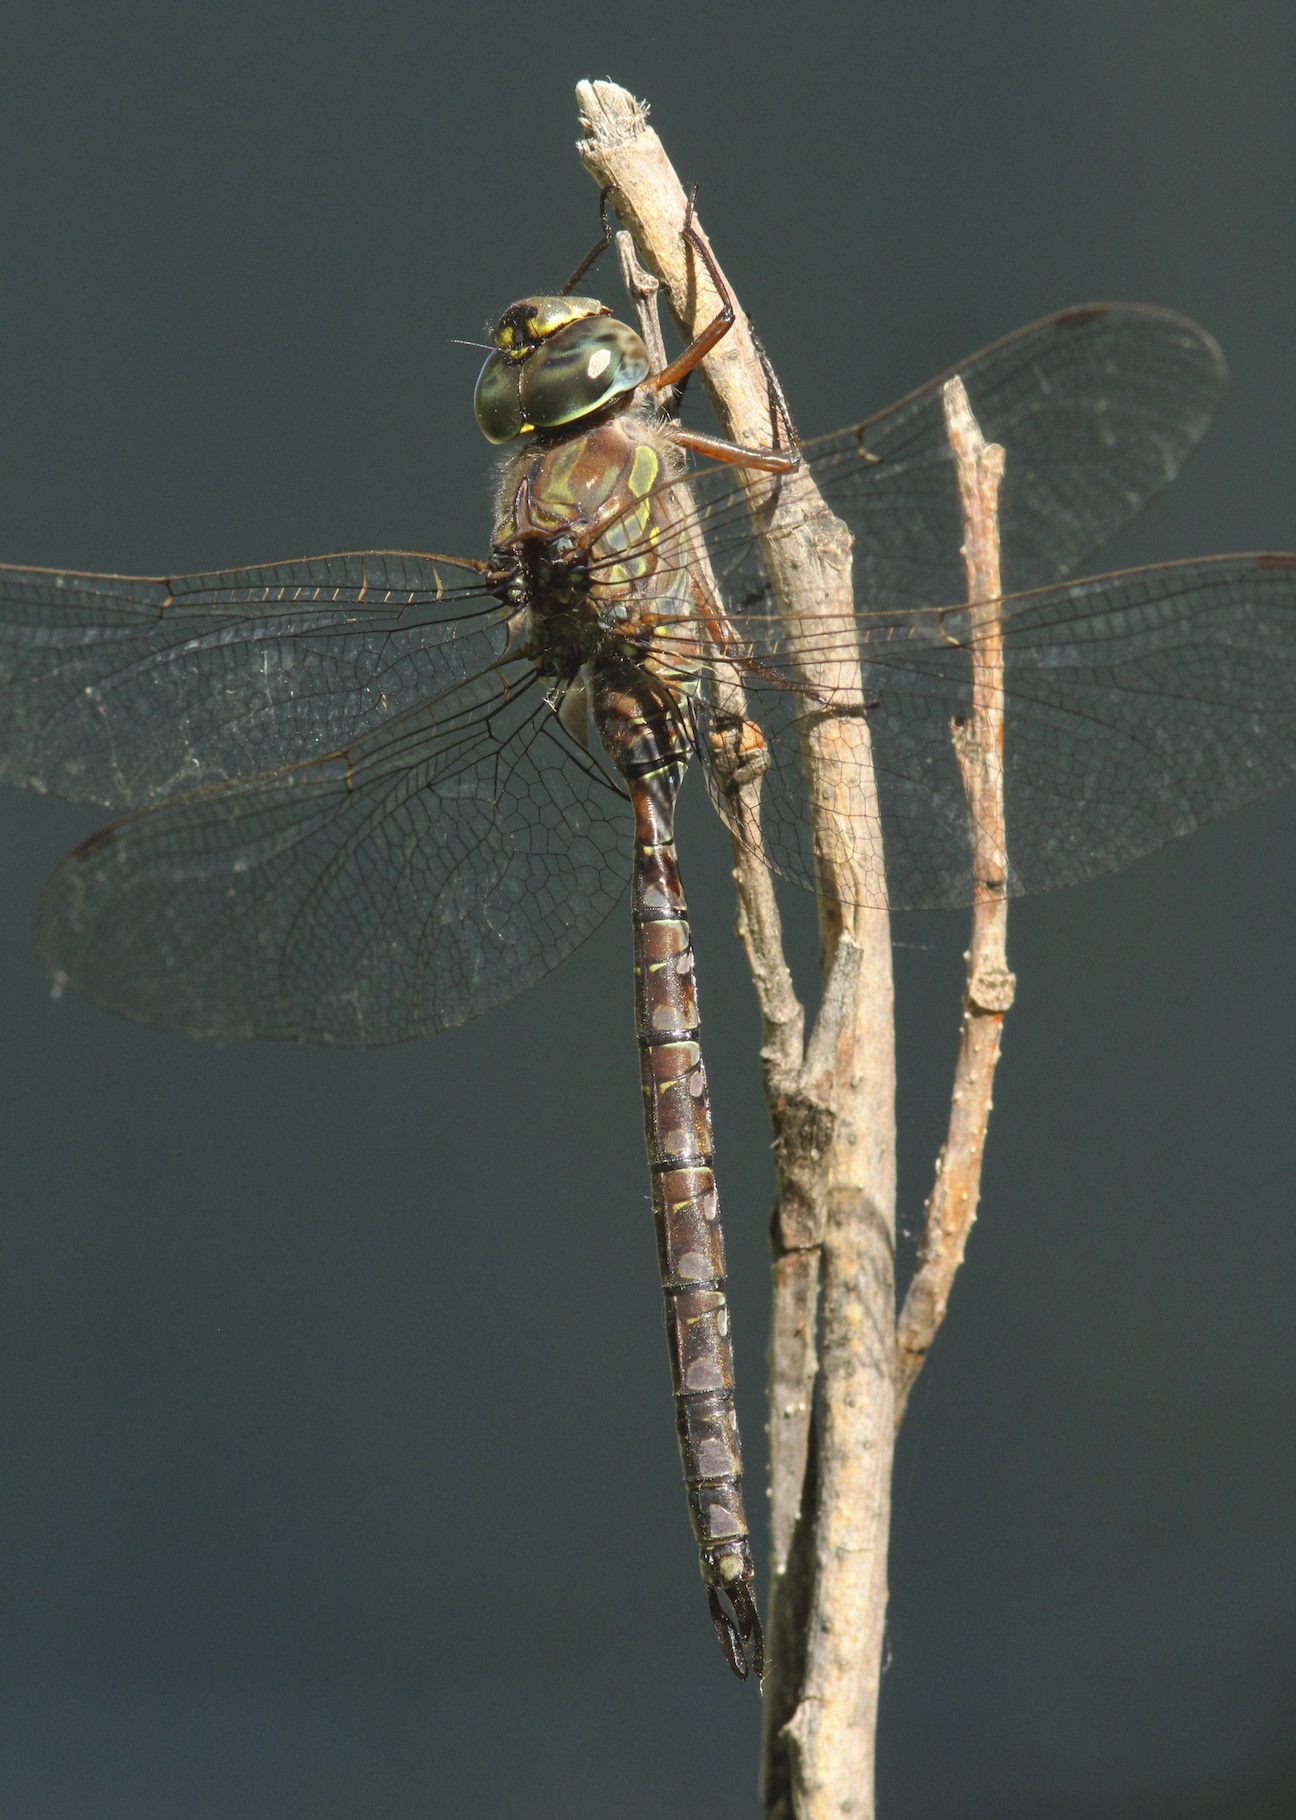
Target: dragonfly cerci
[365, 797]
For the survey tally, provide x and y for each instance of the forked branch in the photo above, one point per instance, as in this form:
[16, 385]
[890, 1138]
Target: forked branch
[831, 1100]
[979, 747]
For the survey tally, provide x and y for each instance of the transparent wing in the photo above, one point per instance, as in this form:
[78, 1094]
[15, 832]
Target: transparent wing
[1097, 408]
[122, 691]
[398, 886]
[1137, 707]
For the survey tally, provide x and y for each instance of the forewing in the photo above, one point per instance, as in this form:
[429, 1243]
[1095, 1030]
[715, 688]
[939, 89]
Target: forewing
[1097, 409]
[123, 691]
[1136, 706]
[397, 887]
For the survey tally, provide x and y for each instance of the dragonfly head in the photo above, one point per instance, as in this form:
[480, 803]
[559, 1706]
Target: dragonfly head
[556, 360]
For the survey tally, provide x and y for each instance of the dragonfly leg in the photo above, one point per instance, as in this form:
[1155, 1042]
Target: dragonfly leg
[772, 460]
[597, 251]
[719, 326]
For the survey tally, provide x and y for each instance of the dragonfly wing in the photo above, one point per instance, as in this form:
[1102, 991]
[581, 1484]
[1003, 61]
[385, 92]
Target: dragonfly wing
[1137, 707]
[1097, 408]
[123, 691]
[405, 884]
[1141, 706]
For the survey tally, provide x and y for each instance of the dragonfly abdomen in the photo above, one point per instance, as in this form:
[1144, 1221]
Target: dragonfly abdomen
[645, 739]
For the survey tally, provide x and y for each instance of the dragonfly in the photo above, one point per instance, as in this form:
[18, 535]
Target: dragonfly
[364, 797]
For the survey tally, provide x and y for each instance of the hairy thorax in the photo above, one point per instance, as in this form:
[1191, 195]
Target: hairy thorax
[596, 536]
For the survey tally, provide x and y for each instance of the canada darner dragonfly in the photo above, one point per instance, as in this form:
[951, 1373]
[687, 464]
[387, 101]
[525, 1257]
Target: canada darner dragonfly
[369, 796]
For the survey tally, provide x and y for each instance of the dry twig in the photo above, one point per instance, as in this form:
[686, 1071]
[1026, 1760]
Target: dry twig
[952, 1204]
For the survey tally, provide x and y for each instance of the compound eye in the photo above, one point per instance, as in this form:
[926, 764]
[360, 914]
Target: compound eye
[496, 400]
[579, 369]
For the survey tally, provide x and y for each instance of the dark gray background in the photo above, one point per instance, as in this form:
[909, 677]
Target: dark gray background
[338, 1475]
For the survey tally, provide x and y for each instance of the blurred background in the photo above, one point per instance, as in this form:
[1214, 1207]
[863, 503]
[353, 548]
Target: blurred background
[320, 1372]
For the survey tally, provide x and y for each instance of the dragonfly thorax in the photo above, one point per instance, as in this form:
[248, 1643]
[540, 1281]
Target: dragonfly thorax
[557, 361]
[564, 628]
[587, 524]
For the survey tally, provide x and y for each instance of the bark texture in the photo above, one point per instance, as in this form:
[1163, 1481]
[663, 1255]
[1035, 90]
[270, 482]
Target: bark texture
[979, 747]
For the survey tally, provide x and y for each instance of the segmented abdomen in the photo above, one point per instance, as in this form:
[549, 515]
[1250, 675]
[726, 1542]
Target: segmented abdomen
[644, 737]
[690, 1244]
